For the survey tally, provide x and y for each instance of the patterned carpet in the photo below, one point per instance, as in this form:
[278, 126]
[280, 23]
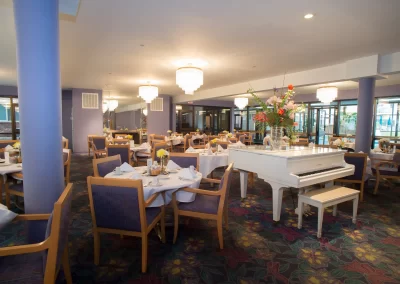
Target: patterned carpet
[255, 250]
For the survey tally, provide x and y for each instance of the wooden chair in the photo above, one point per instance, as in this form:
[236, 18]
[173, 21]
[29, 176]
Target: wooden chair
[301, 142]
[233, 140]
[210, 205]
[89, 141]
[124, 151]
[5, 143]
[99, 144]
[67, 164]
[359, 160]
[195, 146]
[65, 143]
[103, 166]
[185, 160]
[333, 139]
[382, 173]
[155, 148]
[131, 214]
[45, 258]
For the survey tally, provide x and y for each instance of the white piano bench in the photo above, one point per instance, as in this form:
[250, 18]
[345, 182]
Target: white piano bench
[326, 197]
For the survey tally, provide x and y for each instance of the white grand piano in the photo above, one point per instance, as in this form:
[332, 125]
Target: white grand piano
[298, 167]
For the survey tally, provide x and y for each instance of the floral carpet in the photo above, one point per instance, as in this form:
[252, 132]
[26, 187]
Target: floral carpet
[255, 250]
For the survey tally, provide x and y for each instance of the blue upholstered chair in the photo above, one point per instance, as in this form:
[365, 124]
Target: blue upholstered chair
[99, 146]
[155, 148]
[118, 207]
[211, 205]
[123, 150]
[185, 160]
[103, 166]
[40, 262]
[384, 173]
[359, 160]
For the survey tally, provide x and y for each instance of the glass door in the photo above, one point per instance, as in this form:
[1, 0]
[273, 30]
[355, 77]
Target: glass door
[323, 123]
[15, 121]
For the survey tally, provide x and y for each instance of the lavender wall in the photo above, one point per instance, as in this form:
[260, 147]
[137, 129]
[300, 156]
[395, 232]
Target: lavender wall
[383, 91]
[128, 119]
[159, 122]
[66, 101]
[85, 121]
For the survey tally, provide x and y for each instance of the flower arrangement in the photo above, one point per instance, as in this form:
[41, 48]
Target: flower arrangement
[229, 135]
[162, 153]
[339, 143]
[130, 137]
[169, 131]
[384, 143]
[197, 130]
[17, 145]
[126, 129]
[277, 110]
[225, 132]
[234, 130]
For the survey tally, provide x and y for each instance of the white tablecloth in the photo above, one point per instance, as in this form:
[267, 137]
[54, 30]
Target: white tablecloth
[208, 163]
[175, 140]
[169, 184]
[376, 156]
[351, 145]
[9, 169]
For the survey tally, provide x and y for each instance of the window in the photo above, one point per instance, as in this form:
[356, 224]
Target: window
[348, 118]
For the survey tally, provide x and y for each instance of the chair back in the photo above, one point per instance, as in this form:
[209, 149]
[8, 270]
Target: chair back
[122, 150]
[185, 160]
[186, 141]
[159, 137]
[156, 141]
[57, 233]
[117, 204]
[120, 141]
[158, 146]
[5, 143]
[396, 159]
[233, 140]
[99, 142]
[65, 143]
[224, 187]
[223, 144]
[103, 166]
[359, 160]
[334, 138]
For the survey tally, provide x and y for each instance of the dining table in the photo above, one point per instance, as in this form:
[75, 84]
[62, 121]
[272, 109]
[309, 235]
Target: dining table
[377, 157]
[209, 162]
[177, 140]
[168, 184]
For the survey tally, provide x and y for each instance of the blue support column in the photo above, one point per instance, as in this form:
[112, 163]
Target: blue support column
[365, 112]
[39, 94]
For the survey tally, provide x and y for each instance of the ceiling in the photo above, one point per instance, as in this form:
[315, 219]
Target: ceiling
[125, 43]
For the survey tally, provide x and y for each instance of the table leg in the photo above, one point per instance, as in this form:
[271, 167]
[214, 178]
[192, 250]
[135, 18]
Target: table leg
[243, 183]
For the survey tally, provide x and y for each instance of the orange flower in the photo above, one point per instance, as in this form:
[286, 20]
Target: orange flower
[290, 87]
[281, 111]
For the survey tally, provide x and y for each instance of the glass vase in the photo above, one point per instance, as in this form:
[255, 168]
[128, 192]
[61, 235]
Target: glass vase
[276, 137]
[164, 162]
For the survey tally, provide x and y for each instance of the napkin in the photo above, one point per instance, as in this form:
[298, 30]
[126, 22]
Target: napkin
[188, 173]
[207, 146]
[125, 167]
[209, 152]
[6, 216]
[172, 165]
[8, 148]
[311, 145]
[136, 175]
[119, 137]
[189, 150]
[220, 149]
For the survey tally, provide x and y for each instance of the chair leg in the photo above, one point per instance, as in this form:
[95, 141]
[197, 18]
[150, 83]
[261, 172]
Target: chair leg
[334, 210]
[66, 267]
[1, 191]
[163, 224]
[362, 191]
[226, 217]
[7, 198]
[220, 236]
[376, 184]
[144, 253]
[320, 220]
[176, 224]
[96, 237]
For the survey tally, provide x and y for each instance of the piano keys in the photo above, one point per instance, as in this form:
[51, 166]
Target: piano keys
[298, 167]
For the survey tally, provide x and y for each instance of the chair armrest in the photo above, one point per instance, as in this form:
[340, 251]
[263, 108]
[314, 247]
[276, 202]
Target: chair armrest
[22, 249]
[32, 217]
[151, 199]
[200, 191]
[211, 180]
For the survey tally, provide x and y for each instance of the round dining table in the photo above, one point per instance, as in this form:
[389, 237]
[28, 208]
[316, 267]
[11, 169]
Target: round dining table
[167, 183]
[209, 162]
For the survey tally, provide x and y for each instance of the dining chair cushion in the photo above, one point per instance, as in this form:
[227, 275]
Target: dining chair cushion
[107, 167]
[17, 187]
[22, 268]
[184, 162]
[118, 208]
[202, 204]
[100, 143]
[358, 162]
[123, 152]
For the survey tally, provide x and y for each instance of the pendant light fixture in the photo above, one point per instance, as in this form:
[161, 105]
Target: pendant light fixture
[241, 103]
[327, 94]
[189, 78]
[148, 93]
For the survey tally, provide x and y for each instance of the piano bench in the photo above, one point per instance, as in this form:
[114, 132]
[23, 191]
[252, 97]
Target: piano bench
[326, 197]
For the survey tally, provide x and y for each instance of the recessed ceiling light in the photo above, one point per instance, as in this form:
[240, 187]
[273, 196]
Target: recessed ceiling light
[308, 16]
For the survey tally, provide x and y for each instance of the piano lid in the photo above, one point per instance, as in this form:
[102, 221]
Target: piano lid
[292, 153]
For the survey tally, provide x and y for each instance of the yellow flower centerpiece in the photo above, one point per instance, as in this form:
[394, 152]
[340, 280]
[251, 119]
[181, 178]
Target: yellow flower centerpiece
[17, 145]
[130, 137]
[229, 135]
[163, 154]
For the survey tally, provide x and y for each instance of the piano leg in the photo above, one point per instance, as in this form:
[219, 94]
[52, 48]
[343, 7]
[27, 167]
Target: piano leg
[277, 192]
[243, 183]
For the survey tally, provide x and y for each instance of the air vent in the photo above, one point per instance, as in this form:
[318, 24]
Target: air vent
[156, 104]
[90, 100]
